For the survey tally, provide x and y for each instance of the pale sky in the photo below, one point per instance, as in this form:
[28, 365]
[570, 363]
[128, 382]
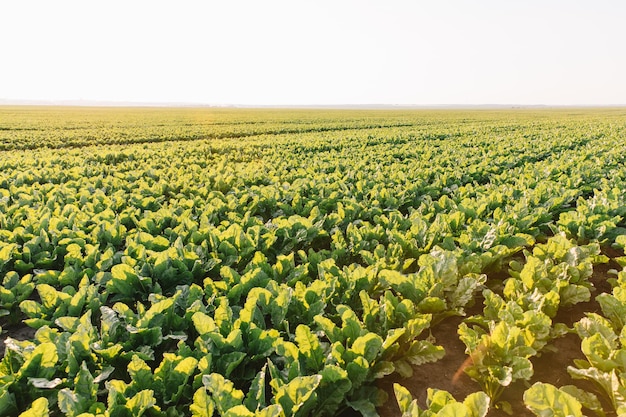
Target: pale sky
[315, 52]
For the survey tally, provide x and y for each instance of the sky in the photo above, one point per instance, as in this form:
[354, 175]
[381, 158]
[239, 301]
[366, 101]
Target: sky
[229, 52]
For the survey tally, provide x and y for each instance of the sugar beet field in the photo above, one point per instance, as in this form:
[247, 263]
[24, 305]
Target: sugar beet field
[227, 262]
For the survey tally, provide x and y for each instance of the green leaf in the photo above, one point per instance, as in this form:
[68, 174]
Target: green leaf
[69, 403]
[364, 406]
[401, 283]
[7, 402]
[77, 302]
[403, 368]
[229, 362]
[546, 400]
[403, 397]
[261, 343]
[368, 346]
[332, 390]
[239, 411]
[437, 399]
[69, 324]
[155, 313]
[371, 310]
[587, 399]
[280, 305]
[493, 304]
[124, 280]
[186, 367]
[203, 323]
[432, 305]
[595, 324]
[294, 395]
[574, 294]
[106, 372]
[41, 363]
[605, 380]
[333, 333]
[141, 402]
[48, 295]
[454, 410]
[309, 347]
[383, 368]
[522, 368]
[613, 309]
[140, 372]
[84, 385]
[202, 405]
[358, 371]
[598, 352]
[223, 316]
[351, 328]
[443, 264]
[172, 375]
[505, 406]
[109, 323]
[6, 252]
[274, 410]
[392, 337]
[145, 336]
[255, 399]
[477, 404]
[422, 351]
[465, 290]
[503, 375]
[39, 408]
[223, 391]
[417, 325]
[159, 243]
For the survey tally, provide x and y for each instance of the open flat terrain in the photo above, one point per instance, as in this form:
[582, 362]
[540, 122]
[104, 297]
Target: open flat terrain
[180, 261]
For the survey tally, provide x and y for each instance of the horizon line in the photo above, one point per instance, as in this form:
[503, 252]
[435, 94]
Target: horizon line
[165, 104]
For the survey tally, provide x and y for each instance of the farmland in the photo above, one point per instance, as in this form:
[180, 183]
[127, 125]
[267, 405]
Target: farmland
[175, 262]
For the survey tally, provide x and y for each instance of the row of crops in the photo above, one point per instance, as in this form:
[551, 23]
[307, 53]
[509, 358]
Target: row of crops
[176, 262]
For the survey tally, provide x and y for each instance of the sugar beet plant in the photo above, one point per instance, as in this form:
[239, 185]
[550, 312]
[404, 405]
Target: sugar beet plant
[272, 263]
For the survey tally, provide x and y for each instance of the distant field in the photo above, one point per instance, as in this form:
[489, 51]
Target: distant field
[175, 262]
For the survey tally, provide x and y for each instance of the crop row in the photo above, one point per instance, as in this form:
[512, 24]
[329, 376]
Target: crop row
[284, 273]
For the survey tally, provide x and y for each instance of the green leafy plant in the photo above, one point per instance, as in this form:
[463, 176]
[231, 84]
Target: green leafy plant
[604, 345]
[442, 404]
[545, 399]
[500, 344]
